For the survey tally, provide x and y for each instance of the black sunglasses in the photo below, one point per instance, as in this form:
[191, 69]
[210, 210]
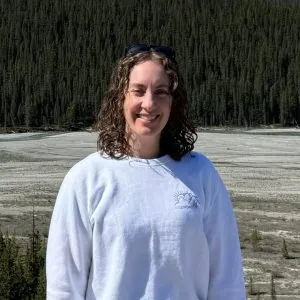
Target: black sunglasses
[138, 48]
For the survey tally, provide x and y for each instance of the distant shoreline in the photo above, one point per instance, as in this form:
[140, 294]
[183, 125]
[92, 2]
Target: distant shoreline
[263, 130]
[271, 129]
[11, 130]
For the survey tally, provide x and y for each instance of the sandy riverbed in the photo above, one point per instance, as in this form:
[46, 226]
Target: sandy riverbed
[261, 169]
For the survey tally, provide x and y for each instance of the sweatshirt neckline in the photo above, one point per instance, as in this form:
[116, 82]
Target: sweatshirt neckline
[149, 161]
[137, 161]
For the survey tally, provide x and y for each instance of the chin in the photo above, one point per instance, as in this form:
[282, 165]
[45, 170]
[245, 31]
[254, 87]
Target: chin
[147, 132]
[142, 128]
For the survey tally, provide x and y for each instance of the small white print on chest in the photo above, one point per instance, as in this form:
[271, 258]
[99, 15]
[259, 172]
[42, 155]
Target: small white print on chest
[186, 199]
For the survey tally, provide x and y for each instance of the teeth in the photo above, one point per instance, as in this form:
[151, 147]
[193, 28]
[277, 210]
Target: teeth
[148, 118]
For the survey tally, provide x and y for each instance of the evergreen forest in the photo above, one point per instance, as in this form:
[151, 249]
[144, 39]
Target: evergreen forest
[240, 59]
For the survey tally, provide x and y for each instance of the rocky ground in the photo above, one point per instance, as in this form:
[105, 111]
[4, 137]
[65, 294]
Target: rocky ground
[261, 169]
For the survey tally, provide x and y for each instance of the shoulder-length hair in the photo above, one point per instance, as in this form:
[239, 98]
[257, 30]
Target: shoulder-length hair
[178, 136]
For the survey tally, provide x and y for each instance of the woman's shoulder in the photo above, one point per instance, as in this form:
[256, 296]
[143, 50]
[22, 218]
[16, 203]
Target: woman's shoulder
[198, 159]
[87, 166]
[198, 164]
[88, 161]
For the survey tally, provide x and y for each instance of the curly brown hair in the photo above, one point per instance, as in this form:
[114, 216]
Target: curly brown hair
[178, 136]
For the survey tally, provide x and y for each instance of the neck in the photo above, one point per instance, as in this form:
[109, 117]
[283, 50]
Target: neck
[145, 147]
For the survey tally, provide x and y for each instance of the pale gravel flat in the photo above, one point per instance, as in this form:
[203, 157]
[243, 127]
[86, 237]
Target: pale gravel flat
[261, 170]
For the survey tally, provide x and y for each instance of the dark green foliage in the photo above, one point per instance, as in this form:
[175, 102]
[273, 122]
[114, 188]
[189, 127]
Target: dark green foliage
[255, 239]
[250, 288]
[272, 288]
[41, 288]
[240, 59]
[22, 276]
[11, 270]
[284, 250]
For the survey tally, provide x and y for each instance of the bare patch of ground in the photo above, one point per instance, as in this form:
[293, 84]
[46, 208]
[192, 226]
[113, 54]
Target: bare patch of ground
[261, 169]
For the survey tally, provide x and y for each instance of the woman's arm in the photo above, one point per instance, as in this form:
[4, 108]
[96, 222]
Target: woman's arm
[69, 247]
[226, 272]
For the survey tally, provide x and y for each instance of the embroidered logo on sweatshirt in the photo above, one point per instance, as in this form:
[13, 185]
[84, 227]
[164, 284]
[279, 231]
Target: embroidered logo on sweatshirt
[186, 199]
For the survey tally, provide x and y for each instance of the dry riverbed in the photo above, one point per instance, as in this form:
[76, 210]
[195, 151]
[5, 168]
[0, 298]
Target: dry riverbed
[261, 169]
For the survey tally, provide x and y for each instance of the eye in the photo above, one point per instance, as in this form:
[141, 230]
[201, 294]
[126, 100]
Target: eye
[138, 92]
[162, 92]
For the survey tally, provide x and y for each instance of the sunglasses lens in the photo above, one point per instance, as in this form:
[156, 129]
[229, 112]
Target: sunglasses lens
[167, 51]
[137, 48]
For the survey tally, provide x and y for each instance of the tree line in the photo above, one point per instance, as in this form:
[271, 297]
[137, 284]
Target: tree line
[240, 59]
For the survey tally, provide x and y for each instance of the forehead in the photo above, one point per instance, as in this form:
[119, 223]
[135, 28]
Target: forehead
[148, 73]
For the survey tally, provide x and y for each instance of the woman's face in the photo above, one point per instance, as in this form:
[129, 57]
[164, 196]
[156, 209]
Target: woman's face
[148, 100]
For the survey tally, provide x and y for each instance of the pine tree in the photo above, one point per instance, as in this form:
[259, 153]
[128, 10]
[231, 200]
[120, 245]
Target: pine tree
[273, 291]
[255, 239]
[12, 284]
[284, 250]
[250, 286]
[34, 259]
[41, 288]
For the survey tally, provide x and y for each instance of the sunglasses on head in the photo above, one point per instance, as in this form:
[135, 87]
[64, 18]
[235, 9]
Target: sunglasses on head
[138, 48]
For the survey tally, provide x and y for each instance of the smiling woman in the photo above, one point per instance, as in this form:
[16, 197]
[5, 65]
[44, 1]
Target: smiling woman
[147, 108]
[144, 217]
[143, 83]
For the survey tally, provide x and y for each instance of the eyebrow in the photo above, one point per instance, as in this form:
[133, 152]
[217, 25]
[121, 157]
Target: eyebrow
[137, 85]
[140, 85]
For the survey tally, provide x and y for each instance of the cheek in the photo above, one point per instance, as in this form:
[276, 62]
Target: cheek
[126, 111]
[131, 104]
[168, 106]
[130, 110]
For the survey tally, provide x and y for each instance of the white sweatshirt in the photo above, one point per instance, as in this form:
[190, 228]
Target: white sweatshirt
[152, 229]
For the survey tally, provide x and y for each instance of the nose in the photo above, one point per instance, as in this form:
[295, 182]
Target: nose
[148, 102]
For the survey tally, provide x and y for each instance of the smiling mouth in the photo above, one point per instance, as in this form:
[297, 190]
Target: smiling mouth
[147, 118]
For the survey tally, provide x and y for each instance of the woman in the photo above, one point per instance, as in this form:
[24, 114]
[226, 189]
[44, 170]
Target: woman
[144, 217]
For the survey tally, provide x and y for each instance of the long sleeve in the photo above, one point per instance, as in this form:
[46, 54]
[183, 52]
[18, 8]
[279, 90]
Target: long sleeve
[69, 243]
[226, 279]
